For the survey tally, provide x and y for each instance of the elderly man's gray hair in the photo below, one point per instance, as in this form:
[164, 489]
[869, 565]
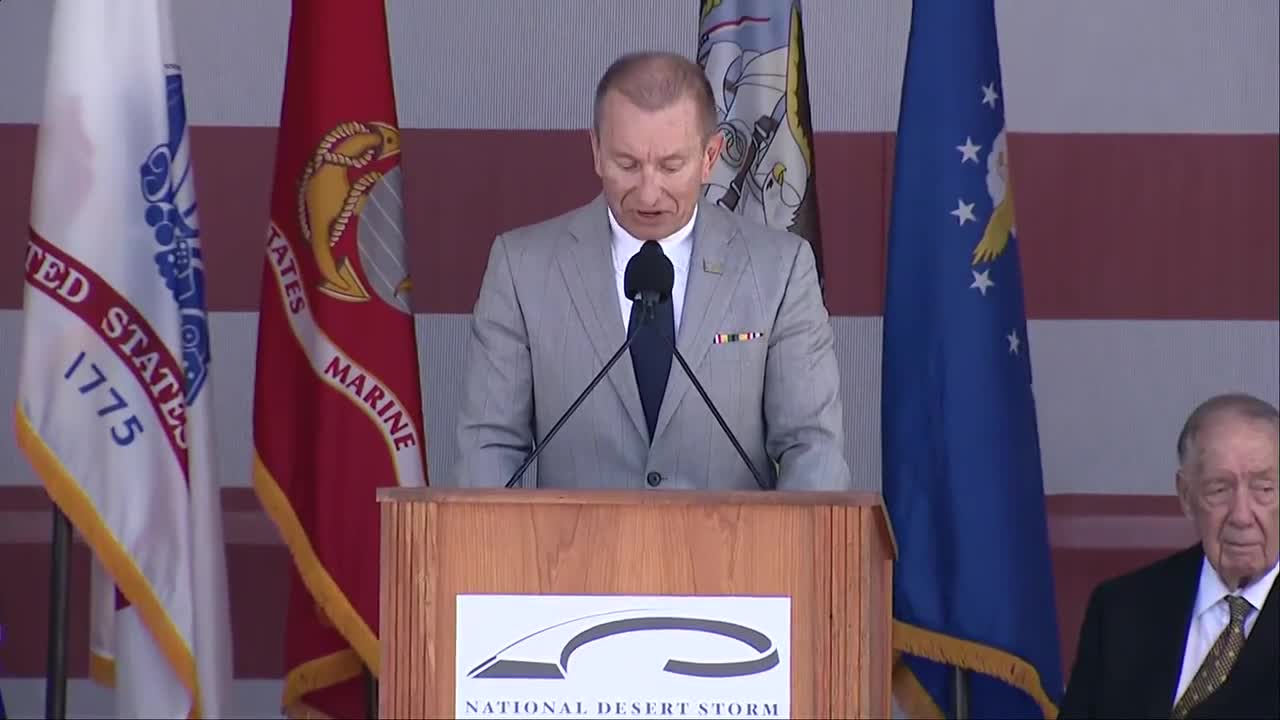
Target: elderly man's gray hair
[1240, 405]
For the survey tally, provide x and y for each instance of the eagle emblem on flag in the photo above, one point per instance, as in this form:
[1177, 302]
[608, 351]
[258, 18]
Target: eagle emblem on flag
[167, 187]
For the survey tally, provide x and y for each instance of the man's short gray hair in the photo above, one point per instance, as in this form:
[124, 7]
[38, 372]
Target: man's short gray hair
[1239, 405]
[656, 81]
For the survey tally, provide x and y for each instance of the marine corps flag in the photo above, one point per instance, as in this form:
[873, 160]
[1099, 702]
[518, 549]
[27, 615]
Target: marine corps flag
[753, 54]
[337, 405]
[115, 394]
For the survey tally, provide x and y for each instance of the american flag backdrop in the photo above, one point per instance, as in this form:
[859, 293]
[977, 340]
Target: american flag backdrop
[1144, 136]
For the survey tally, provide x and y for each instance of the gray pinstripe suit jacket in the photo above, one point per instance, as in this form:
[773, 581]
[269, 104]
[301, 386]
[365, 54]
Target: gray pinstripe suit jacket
[548, 318]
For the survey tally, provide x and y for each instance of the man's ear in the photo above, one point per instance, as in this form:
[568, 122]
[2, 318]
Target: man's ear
[595, 151]
[715, 145]
[1183, 485]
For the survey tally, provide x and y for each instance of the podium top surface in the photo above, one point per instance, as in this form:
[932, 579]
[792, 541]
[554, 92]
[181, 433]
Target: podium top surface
[863, 498]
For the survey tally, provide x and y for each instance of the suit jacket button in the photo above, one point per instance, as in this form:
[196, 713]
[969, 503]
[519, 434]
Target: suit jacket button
[654, 479]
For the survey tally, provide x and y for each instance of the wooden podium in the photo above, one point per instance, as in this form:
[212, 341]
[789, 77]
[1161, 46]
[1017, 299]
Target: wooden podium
[831, 553]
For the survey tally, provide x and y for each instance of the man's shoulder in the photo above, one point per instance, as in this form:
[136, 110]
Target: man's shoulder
[756, 237]
[1164, 573]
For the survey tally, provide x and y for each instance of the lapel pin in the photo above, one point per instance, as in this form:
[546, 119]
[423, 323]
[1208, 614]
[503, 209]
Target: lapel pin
[715, 267]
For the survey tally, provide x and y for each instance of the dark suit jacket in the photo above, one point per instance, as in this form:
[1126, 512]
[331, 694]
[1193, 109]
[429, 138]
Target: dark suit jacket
[1131, 646]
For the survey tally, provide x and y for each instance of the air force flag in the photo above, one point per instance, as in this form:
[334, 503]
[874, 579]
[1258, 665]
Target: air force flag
[962, 478]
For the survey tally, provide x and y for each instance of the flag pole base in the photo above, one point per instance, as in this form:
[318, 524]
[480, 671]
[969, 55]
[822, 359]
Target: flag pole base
[370, 695]
[960, 692]
[55, 689]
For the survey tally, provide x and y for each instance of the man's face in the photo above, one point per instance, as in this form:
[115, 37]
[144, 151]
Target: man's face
[1228, 489]
[652, 164]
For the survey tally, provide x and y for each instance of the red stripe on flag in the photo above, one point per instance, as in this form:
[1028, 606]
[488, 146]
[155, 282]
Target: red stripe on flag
[744, 20]
[1135, 532]
[120, 326]
[1134, 226]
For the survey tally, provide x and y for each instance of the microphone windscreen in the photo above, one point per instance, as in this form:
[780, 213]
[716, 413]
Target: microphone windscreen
[649, 271]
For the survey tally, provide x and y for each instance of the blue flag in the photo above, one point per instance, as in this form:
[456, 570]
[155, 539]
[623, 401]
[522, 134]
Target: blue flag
[962, 479]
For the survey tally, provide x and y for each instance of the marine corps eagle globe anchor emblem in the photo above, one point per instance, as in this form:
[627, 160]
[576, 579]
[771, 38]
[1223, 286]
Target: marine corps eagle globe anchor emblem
[354, 175]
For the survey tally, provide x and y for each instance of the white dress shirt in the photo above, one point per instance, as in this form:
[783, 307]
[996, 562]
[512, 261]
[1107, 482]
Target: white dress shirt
[1210, 617]
[678, 247]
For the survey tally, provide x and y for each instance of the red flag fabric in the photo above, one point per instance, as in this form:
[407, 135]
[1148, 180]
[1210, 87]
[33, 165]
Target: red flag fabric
[337, 404]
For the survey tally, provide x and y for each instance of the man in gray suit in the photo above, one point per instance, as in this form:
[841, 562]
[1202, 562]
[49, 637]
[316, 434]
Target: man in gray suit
[746, 312]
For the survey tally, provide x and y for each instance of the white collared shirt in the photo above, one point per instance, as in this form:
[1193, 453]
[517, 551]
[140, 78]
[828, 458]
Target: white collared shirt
[678, 247]
[1211, 616]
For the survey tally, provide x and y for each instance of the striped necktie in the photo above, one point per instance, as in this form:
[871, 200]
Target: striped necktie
[1217, 664]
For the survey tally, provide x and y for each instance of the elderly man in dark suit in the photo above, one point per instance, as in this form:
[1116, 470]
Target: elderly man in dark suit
[1196, 635]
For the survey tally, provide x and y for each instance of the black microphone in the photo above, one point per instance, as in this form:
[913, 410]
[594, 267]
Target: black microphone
[648, 280]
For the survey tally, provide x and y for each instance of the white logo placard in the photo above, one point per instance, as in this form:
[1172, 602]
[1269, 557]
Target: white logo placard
[623, 656]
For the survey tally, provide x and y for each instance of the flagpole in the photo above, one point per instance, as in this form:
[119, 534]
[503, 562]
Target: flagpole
[960, 681]
[370, 694]
[55, 689]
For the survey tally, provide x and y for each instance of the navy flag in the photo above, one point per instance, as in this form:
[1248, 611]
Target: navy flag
[752, 52]
[962, 477]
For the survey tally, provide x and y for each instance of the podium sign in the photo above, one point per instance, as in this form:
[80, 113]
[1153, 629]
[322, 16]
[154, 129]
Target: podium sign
[621, 656]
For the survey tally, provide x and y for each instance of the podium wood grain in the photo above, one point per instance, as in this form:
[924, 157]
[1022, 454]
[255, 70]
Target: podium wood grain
[830, 552]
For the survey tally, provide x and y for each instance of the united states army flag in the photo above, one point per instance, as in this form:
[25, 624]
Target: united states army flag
[114, 406]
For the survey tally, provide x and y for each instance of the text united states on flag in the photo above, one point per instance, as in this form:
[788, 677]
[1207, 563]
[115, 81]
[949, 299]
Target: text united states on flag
[114, 400]
[337, 400]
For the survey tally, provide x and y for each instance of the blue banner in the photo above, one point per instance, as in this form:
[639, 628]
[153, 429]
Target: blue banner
[962, 479]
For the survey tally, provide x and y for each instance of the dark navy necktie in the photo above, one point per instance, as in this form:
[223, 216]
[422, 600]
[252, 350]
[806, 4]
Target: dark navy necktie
[651, 356]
